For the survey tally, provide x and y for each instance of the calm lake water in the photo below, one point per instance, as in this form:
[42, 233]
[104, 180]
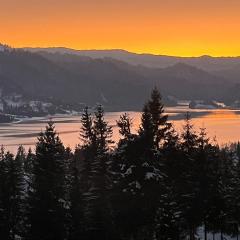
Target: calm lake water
[224, 124]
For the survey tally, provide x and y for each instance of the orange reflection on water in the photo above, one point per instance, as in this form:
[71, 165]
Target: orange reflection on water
[224, 124]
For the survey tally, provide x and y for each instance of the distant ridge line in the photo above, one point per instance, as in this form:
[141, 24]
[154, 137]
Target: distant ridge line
[123, 51]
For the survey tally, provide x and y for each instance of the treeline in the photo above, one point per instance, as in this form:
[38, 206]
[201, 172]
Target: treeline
[155, 184]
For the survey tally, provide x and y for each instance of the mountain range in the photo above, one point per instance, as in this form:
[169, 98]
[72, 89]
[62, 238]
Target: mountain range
[118, 79]
[207, 63]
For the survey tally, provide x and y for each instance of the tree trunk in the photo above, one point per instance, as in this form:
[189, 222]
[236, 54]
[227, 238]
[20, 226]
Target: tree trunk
[237, 231]
[221, 235]
[192, 236]
[213, 236]
[205, 232]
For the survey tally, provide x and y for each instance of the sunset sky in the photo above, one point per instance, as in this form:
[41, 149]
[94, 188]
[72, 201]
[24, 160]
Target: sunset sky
[172, 27]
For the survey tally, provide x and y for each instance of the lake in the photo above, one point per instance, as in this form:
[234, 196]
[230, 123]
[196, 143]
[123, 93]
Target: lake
[222, 123]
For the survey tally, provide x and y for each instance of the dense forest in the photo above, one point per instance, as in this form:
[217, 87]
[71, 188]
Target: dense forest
[156, 184]
[67, 79]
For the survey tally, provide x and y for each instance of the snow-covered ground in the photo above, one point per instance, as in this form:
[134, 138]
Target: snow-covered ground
[200, 235]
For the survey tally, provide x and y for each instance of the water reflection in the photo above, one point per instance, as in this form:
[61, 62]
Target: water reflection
[225, 124]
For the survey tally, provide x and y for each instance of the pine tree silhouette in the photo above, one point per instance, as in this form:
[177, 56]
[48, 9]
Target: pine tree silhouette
[46, 201]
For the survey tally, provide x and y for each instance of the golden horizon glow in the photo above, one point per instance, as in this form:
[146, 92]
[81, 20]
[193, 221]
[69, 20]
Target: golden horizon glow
[173, 27]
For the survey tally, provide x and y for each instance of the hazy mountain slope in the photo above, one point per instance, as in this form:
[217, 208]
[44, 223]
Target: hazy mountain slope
[180, 80]
[78, 81]
[187, 82]
[206, 63]
[231, 74]
[34, 75]
[116, 84]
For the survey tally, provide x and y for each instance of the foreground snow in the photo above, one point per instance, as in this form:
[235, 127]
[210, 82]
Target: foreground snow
[200, 235]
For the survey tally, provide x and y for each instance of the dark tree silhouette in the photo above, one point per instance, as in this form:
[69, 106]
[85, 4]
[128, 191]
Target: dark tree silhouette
[46, 201]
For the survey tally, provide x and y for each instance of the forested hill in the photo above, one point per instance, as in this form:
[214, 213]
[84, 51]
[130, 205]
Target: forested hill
[206, 63]
[115, 84]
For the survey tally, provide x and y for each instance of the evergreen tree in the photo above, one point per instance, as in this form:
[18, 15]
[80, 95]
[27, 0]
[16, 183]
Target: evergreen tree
[4, 228]
[20, 191]
[159, 119]
[86, 132]
[29, 177]
[85, 152]
[202, 175]
[139, 183]
[215, 208]
[228, 218]
[98, 211]
[28, 163]
[130, 185]
[91, 177]
[76, 220]
[146, 130]
[189, 187]
[21, 156]
[169, 218]
[12, 191]
[102, 132]
[189, 137]
[125, 124]
[46, 198]
[80, 177]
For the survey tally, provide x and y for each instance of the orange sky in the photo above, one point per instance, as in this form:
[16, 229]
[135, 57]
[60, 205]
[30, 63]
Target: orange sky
[173, 27]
